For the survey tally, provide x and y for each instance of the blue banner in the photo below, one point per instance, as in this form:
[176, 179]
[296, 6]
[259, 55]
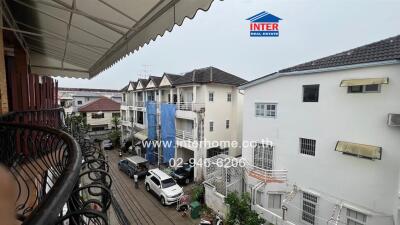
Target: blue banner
[168, 131]
[151, 109]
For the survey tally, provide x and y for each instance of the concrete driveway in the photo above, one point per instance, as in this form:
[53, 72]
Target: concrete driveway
[139, 206]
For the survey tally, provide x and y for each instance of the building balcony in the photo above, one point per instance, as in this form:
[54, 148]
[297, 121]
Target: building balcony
[268, 176]
[190, 106]
[139, 104]
[184, 135]
[55, 172]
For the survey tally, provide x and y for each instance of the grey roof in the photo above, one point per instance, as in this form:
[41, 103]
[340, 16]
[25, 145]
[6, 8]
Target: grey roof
[136, 159]
[384, 50]
[125, 89]
[156, 80]
[172, 77]
[210, 75]
[143, 81]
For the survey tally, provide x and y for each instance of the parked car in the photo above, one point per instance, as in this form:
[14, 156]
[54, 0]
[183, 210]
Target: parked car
[134, 165]
[107, 144]
[164, 186]
[184, 174]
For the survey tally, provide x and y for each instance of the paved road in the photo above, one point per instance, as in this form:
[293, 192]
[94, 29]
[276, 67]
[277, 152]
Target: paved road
[139, 206]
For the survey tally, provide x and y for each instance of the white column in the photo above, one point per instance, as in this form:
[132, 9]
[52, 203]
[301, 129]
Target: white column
[194, 94]
[178, 93]
[159, 96]
[171, 94]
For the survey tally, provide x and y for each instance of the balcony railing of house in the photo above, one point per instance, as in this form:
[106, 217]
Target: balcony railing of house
[190, 106]
[268, 176]
[60, 177]
[184, 135]
[139, 104]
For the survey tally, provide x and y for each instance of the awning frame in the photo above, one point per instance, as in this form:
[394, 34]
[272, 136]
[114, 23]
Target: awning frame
[364, 81]
[359, 155]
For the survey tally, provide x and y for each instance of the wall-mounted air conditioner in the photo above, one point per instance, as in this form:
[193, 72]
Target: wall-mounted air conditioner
[394, 120]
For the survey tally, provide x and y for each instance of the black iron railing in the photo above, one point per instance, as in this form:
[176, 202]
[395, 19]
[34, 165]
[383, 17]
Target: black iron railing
[61, 178]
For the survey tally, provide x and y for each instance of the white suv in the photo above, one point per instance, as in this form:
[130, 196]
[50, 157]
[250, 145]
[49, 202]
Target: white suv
[164, 186]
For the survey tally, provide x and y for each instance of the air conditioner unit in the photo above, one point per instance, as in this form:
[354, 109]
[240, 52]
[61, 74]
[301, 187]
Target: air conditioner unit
[394, 120]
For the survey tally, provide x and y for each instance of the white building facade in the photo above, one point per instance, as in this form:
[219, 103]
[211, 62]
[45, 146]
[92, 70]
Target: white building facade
[328, 127]
[208, 110]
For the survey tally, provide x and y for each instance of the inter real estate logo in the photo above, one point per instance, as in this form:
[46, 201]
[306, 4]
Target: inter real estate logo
[264, 24]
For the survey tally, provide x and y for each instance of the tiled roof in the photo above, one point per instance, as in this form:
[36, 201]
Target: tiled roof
[143, 81]
[101, 104]
[210, 75]
[156, 80]
[124, 89]
[172, 77]
[384, 50]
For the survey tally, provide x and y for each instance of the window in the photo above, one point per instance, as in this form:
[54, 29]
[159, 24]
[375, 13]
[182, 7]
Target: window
[210, 96]
[310, 93]
[79, 102]
[307, 146]
[263, 156]
[116, 114]
[274, 201]
[309, 208]
[229, 97]
[371, 88]
[97, 115]
[155, 180]
[124, 97]
[267, 110]
[211, 126]
[259, 200]
[356, 218]
[227, 124]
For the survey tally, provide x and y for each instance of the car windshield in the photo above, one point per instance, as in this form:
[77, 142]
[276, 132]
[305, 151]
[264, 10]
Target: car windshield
[168, 183]
[184, 169]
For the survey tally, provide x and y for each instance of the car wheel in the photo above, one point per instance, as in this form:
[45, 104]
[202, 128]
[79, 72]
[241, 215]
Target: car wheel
[129, 173]
[163, 201]
[187, 181]
[147, 188]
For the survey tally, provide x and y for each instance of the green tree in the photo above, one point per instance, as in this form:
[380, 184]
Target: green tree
[115, 135]
[115, 121]
[240, 212]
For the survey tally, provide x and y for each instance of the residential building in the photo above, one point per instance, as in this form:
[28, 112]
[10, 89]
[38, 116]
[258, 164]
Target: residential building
[100, 112]
[208, 110]
[52, 165]
[330, 123]
[73, 98]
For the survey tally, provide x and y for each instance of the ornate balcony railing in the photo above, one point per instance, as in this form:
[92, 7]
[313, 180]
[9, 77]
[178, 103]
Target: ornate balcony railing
[61, 178]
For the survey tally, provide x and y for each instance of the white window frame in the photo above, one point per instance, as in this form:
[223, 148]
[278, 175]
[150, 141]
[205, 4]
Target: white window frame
[211, 126]
[229, 97]
[211, 96]
[355, 220]
[272, 195]
[264, 109]
[310, 145]
[306, 202]
[227, 124]
[364, 89]
[263, 156]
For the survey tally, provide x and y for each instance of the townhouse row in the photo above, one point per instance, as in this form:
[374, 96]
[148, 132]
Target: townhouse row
[208, 109]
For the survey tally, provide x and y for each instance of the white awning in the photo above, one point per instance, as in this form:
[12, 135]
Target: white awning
[81, 38]
[366, 81]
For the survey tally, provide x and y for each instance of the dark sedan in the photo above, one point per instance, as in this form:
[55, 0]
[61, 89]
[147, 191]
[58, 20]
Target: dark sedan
[184, 174]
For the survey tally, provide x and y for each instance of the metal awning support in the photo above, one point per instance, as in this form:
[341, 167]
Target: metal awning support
[77, 39]
[366, 81]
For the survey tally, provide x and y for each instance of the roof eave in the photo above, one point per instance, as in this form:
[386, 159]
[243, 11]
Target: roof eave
[327, 69]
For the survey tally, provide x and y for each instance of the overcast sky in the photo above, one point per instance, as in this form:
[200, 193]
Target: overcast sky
[310, 29]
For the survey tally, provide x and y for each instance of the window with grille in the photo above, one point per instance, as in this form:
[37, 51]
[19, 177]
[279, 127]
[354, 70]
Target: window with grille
[263, 156]
[267, 110]
[356, 218]
[211, 126]
[97, 115]
[227, 124]
[307, 146]
[309, 208]
[210, 96]
[229, 97]
[274, 201]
